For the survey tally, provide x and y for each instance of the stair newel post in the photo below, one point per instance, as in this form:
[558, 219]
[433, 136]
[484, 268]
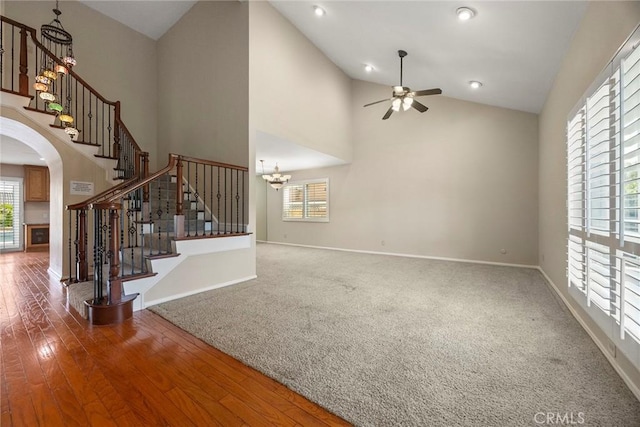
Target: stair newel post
[114, 291]
[23, 79]
[82, 266]
[178, 219]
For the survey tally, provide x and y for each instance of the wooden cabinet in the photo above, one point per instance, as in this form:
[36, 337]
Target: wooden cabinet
[36, 180]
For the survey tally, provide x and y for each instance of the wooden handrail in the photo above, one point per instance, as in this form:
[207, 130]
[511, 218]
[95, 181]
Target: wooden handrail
[173, 161]
[145, 181]
[212, 163]
[101, 196]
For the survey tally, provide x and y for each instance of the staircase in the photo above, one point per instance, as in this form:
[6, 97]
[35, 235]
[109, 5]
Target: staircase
[135, 232]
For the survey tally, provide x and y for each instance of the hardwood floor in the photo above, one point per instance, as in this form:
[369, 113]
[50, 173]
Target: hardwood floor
[57, 370]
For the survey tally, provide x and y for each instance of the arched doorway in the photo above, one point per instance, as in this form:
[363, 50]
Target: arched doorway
[40, 144]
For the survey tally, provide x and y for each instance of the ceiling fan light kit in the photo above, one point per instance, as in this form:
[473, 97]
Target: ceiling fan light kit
[319, 11]
[403, 97]
[465, 13]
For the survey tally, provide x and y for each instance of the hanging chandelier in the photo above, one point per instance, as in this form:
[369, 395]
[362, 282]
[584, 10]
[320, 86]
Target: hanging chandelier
[276, 180]
[56, 93]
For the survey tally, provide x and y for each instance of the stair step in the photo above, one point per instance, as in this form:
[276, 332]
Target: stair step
[100, 156]
[13, 92]
[137, 276]
[87, 143]
[161, 256]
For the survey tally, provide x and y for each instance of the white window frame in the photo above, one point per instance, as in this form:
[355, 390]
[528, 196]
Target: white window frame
[304, 183]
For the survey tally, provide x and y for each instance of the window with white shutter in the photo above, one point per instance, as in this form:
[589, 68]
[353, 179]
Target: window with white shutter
[603, 200]
[10, 213]
[306, 201]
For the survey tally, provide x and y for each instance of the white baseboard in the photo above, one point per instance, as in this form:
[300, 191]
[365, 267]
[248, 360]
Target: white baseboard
[197, 291]
[468, 261]
[635, 388]
[57, 276]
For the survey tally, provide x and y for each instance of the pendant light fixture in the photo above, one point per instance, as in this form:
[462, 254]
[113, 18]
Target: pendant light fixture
[60, 42]
[276, 180]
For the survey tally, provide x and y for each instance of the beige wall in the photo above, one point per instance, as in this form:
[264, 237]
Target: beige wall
[604, 28]
[459, 181]
[297, 93]
[120, 63]
[203, 75]
[261, 207]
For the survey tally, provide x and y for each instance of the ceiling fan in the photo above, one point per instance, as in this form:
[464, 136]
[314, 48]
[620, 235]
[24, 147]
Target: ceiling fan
[403, 97]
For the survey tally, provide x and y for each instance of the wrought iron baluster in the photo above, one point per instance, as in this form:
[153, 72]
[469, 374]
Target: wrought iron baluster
[90, 117]
[237, 202]
[188, 215]
[226, 215]
[13, 57]
[244, 230]
[219, 196]
[195, 196]
[211, 198]
[70, 269]
[159, 213]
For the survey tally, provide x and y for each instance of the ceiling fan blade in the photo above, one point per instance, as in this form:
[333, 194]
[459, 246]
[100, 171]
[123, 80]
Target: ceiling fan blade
[418, 106]
[428, 92]
[378, 102]
[388, 113]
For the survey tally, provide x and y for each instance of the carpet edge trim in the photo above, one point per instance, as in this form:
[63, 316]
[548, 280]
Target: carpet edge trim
[198, 291]
[635, 388]
[403, 255]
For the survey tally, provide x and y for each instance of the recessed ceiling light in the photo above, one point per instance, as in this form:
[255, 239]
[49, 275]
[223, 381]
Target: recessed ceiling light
[368, 68]
[475, 84]
[319, 11]
[465, 13]
[41, 158]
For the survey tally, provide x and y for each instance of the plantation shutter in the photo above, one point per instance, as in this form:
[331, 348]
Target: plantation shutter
[600, 161]
[603, 200]
[306, 201]
[628, 290]
[631, 143]
[293, 202]
[316, 193]
[576, 172]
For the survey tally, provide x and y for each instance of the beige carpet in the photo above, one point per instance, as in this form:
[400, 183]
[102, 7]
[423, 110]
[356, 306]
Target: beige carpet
[387, 341]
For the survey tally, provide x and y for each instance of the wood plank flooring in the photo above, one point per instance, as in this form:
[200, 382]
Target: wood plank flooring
[57, 370]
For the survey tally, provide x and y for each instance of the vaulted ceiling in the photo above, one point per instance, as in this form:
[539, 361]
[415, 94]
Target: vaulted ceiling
[514, 48]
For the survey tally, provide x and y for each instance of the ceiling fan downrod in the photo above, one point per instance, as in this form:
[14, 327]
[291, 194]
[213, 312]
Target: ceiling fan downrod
[401, 54]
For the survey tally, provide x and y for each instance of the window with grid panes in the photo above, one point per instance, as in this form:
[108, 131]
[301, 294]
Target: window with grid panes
[306, 201]
[603, 200]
